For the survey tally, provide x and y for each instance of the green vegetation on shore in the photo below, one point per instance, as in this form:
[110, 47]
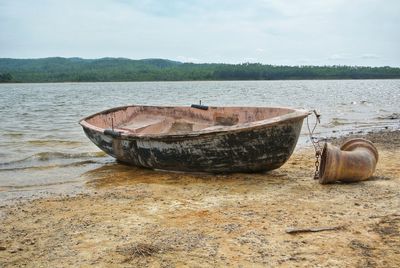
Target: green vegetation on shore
[121, 69]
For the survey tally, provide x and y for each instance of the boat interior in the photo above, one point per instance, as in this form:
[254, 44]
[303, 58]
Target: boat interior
[147, 120]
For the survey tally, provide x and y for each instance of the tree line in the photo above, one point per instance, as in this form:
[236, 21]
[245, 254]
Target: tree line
[6, 78]
[121, 69]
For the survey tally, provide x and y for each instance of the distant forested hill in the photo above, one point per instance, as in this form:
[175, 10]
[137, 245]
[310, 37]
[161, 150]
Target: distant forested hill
[121, 69]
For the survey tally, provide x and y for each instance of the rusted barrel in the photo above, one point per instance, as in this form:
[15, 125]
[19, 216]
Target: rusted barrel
[355, 161]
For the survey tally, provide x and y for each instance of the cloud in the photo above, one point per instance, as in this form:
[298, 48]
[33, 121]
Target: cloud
[232, 31]
[369, 56]
[346, 57]
[339, 57]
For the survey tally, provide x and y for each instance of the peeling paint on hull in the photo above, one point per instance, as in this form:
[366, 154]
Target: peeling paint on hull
[261, 148]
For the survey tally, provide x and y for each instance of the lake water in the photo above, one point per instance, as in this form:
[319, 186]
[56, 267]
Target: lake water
[44, 150]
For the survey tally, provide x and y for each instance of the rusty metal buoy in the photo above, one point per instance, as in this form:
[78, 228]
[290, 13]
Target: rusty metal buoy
[355, 161]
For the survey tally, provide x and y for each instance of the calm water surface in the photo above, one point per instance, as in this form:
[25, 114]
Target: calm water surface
[43, 149]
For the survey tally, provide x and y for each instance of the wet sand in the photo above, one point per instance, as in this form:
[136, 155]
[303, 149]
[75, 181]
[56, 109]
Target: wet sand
[156, 219]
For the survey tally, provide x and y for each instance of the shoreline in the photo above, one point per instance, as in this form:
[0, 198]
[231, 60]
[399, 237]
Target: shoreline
[174, 219]
[183, 81]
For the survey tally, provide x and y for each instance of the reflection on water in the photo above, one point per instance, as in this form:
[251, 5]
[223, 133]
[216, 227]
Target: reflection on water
[42, 147]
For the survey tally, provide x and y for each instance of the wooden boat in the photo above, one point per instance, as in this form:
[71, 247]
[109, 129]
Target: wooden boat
[197, 138]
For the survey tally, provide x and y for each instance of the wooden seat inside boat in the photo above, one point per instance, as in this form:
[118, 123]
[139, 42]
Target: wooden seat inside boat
[150, 124]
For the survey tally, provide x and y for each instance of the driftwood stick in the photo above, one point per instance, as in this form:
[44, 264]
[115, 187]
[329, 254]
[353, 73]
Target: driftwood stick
[295, 230]
[382, 216]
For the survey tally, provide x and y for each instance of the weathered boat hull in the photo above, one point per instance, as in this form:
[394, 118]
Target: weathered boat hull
[260, 148]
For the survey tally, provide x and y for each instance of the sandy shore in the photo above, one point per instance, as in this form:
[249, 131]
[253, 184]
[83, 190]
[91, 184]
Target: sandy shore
[147, 218]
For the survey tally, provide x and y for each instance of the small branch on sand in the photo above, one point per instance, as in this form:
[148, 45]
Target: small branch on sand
[295, 230]
[382, 216]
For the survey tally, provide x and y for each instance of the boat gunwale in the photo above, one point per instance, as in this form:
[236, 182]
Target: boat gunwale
[269, 122]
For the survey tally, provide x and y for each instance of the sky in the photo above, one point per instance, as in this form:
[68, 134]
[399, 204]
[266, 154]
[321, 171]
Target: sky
[279, 32]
